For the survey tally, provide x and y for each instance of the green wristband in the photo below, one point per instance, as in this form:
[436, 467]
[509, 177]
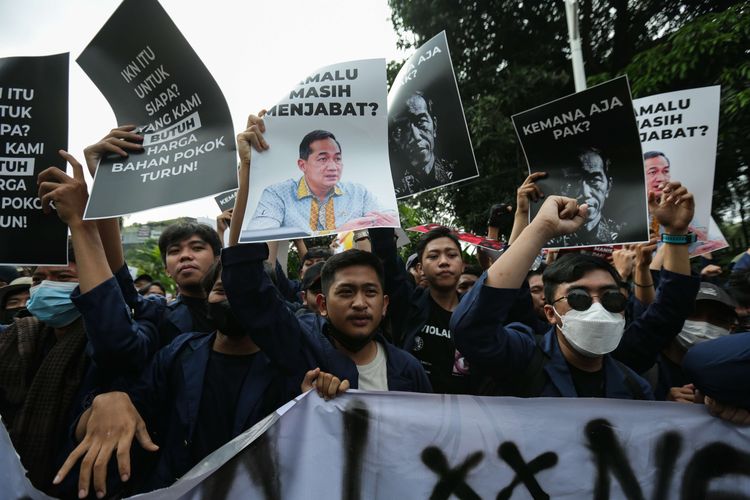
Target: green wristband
[679, 239]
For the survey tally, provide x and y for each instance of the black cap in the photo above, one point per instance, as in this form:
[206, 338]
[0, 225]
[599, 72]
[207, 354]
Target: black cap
[311, 281]
[144, 276]
[8, 273]
[709, 291]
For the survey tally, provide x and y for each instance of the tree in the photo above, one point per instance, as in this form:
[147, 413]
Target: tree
[147, 259]
[510, 56]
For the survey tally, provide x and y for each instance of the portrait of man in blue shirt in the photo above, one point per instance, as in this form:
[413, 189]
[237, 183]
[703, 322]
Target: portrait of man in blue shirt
[319, 201]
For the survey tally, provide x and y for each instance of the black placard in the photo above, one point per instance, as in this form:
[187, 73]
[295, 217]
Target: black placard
[589, 146]
[33, 127]
[428, 140]
[152, 78]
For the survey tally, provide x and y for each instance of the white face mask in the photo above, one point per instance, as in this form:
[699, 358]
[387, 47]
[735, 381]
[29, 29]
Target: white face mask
[593, 332]
[695, 332]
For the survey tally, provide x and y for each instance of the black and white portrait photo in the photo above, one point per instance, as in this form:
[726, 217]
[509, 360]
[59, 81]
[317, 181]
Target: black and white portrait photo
[588, 145]
[429, 144]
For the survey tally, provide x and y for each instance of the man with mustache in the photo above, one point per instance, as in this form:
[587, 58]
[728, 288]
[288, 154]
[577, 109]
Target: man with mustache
[319, 200]
[345, 341]
[413, 134]
[586, 178]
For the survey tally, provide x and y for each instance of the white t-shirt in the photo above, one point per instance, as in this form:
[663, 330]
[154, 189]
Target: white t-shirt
[374, 375]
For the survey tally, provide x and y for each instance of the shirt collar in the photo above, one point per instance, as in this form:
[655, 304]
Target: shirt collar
[303, 191]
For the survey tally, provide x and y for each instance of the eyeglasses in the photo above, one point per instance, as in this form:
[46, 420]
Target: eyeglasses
[581, 300]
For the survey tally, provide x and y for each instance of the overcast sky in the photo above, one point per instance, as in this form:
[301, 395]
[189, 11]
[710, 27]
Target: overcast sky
[255, 50]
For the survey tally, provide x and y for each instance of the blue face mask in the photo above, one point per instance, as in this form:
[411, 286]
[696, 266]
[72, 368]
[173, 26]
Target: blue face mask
[50, 303]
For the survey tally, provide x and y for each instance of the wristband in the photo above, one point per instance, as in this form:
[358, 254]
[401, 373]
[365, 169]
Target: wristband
[679, 239]
[642, 286]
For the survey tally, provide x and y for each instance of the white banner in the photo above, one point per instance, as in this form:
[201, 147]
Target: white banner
[402, 445]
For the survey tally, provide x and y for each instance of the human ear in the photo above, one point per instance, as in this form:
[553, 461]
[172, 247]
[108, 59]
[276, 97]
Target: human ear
[320, 299]
[549, 312]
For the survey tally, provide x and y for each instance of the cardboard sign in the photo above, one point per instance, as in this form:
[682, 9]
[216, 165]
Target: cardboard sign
[33, 127]
[679, 132]
[588, 145]
[326, 170]
[152, 78]
[226, 200]
[428, 139]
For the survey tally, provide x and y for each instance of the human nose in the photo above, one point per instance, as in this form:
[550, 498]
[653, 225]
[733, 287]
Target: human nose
[359, 301]
[414, 132]
[186, 254]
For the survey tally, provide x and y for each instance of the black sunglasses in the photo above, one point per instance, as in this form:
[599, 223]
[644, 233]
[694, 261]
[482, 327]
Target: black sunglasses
[581, 300]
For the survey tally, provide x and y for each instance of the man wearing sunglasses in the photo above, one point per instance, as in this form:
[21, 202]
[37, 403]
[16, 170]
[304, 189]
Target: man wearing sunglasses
[584, 305]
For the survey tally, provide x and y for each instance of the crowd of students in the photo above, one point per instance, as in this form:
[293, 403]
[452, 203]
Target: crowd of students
[108, 389]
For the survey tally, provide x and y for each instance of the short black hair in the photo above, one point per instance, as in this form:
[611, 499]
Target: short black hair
[582, 152]
[317, 253]
[655, 154]
[144, 289]
[572, 267]
[315, 135]
[426, 100]
[175, 233]
[473, 270]
[346, 259]
[433, 234]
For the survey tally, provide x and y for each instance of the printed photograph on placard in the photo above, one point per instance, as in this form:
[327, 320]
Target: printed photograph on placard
[679, 133]
[326, 170]
[428, 139]
[588, 145]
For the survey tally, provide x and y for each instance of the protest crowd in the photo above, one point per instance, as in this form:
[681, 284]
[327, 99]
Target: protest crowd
[108, 388]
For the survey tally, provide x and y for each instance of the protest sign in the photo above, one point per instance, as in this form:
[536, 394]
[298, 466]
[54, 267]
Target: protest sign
[326, 169]
[152, 78]
[589, 146]
[428, 139]
[33, 127]
[472, 239]
[226, 200]
[715, 241]
[436, 446]
[679, 132]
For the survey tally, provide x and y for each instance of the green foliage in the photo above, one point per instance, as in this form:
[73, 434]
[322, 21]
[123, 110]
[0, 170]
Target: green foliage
[710, 50]
[510, 56]
[147, 258]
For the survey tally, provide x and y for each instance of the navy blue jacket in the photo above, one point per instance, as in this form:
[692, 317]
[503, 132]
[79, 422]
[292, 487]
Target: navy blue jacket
[720, 368]
[409, 306]
[500, 351]
[299, 344]
[659, 323]
[174, 320]
[121, 340]
[168, 397]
